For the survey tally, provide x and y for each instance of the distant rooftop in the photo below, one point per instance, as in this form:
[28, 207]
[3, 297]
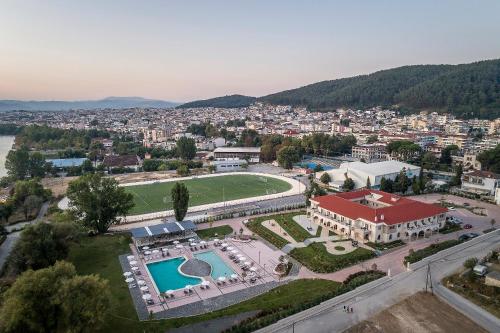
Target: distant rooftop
[237, 150]
[378, 168]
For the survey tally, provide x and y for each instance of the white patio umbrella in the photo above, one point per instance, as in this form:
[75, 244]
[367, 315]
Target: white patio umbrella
[146, 296]
[222, 278]
[230, 248]
[133, 262]
[127, 274]
[147, 252]
[129, 280]
[179, 246]
[205, 283]
[239, 255]
[130, 257]
[203, 243]
[188, 287]
[242, 258]
[224, 245]
[216, 240]
[191, 240]
[234, 276]
[164, 249]
[234, 251]
[135, 268]
[141, 282]
[253, 269]
[145, 247]
[169, 292]
[144, 288]
[193, 244]
[176, 242]
[156, 251]
[247, 263]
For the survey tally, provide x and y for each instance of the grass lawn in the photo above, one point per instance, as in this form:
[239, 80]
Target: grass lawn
[150, 198]
[286, 222]
[318, 259]
[99, 255]
[219, 231]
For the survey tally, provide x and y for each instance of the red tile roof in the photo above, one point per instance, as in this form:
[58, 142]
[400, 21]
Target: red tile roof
[400, 210]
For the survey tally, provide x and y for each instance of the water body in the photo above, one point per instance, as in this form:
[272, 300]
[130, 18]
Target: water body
[6, 143]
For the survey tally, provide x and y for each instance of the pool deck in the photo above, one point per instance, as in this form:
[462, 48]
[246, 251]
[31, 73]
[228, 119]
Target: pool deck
[206, 300]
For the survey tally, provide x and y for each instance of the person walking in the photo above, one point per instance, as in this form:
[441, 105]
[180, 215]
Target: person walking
[344, 308]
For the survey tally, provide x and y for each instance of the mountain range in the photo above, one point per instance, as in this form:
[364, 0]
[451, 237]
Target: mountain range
[466, 90]
[109, 102]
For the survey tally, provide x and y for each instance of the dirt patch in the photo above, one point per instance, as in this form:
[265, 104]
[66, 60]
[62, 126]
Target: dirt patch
[58, 186]
[420, 313]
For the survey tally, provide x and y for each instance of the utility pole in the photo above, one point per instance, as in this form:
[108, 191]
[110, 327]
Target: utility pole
[428, 279]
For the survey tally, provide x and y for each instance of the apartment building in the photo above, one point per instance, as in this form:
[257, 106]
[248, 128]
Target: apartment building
[369, 152]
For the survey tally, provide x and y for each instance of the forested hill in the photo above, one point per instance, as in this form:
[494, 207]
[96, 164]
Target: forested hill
[232, 101]
[466, 90]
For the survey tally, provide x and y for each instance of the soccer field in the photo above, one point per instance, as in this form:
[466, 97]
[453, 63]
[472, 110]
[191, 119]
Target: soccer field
[156, 197]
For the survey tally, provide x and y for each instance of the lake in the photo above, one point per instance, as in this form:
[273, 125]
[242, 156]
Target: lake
[6, 143]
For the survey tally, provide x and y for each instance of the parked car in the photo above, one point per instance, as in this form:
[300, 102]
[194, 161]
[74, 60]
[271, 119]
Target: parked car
[451, 208]
[468, 226]
[480, 270]
[466, 204]
[467, 236]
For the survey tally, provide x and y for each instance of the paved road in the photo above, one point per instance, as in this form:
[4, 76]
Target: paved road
[329, 316]
[12, 238]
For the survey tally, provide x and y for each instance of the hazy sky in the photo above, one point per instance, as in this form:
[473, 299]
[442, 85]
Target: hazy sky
[185, 50]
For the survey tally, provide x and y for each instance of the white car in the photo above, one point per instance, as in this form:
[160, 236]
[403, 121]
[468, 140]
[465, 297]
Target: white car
[451, 208]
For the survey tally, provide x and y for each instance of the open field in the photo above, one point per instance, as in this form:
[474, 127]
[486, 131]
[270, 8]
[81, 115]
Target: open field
[156, 196]
[419, 313]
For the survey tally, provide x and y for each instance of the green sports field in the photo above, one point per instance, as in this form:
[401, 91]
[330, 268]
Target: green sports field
[157, 197]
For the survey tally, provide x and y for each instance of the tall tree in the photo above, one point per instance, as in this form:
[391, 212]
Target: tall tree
[17, 163]
[180, 200]
[37, 165]
[287, 156]
[55, 299]
[368, 183]
[98, 201]
[325, 178]
[186, 148]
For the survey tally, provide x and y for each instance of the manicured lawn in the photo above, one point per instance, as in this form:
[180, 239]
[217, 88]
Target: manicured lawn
[99, 255]
[219, 231]
[318, 259]
[286, 222]
[157, 197]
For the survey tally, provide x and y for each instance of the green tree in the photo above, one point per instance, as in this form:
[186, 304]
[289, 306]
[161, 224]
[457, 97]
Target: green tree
[287, 156]
[446, 154]
[368, 183]
[37, 165]
[87, 166]
[403, 182]
[457, 178]
[97, 201]
[348, 184]
[429, 161]
[31, 203]
[372, 139]
[470, 263]
[55, 299]
[180, 200]
[6, 211]
[41, 245]
[183, 170]
[325, 178]
[386, 185]
[25, 188]
[186, 148]
[17, 163]
[212, 168]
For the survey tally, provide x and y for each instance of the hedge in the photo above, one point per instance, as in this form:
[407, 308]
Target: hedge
[429, 250]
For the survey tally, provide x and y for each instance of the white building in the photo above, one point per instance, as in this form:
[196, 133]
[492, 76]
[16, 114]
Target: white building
[229, 164]
[480, 182]
[359, 172]
[244, 153]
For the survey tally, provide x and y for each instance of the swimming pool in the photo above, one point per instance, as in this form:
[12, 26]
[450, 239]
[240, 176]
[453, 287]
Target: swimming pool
[166, 275]
[219, 267]
[312, 165]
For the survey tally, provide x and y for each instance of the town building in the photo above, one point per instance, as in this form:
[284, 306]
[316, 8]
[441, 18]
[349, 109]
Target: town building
[229, 164]
[252, 154]
[122, 161]
[369, 152]
[480, 182]
[376, 216]
[360, 172]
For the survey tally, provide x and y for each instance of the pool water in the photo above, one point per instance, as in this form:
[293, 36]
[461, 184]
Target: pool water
[219, 267]
[312, 165]
[167, 276]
